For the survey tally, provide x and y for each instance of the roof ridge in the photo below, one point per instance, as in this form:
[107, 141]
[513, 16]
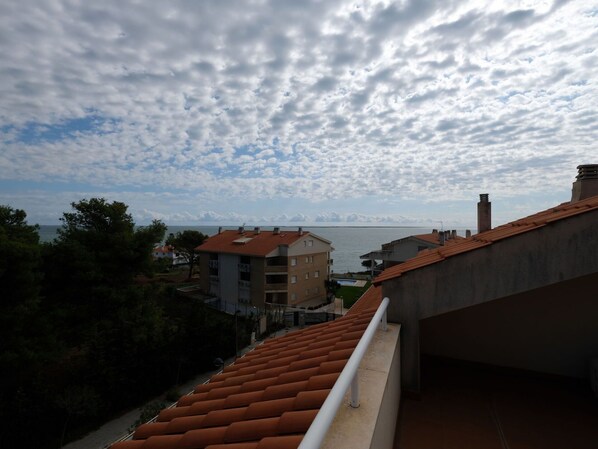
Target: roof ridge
[501, 232]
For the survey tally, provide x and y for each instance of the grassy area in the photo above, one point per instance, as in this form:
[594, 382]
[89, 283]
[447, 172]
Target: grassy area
[351, 294]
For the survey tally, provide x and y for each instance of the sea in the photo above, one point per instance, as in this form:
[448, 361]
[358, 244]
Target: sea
[348, 242]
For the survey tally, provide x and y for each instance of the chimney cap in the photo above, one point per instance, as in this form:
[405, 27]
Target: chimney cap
[588, 171]
[586, 182]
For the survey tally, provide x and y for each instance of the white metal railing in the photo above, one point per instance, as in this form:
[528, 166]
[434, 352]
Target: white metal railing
[317, 431]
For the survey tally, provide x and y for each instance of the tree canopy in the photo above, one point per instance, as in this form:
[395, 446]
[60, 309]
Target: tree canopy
[101, 238]
[184, 244]
[81, 338]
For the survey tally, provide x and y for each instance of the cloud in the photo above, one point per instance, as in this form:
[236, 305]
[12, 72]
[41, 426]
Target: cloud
[331, 100]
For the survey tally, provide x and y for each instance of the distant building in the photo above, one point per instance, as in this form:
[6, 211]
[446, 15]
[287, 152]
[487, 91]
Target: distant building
[398, 251]
[256, 267]
[168, 252]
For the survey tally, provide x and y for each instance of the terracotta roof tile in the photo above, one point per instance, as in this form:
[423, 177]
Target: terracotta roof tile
[268, 398]
[252, 430]
[296, 422]
[224, 417]
[252, 244]
[183, 424]
[237, 400]
[268, 409]
[314, 399]
[198, 438]
[284, 442]
[526, 224]
[234, 446]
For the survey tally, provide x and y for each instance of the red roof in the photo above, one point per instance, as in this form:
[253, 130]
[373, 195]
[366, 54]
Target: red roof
[268, 398]
[527, 224]
[164, 249]
[251, 243]
[434, 238]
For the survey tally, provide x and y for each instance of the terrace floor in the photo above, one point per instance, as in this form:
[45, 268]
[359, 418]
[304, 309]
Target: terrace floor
[473, 406]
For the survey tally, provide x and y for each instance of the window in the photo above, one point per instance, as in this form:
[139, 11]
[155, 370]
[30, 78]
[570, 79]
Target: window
[310, 243]
[317, 274]
[306, 259]
[293, 296]
[293, 261]
[306, 275]
[293, 279]
[311, 259]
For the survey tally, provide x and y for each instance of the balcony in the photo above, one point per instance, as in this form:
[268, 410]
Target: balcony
[213, 264]
[330, 261]
[244, 268]
[245, 284]
[276, 287]
[276, 269]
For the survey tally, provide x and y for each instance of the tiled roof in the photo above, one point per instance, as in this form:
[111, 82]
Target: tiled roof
[268, 398]
[527, 224]
[164, 249]
[251, 243]
[434, 238]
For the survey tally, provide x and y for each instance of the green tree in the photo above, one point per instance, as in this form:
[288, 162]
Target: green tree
[107, 236]
[19, 258]
[94, 259]
[184, 244]
[332, 286]
[27, 343]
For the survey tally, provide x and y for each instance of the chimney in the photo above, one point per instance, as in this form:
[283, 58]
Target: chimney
[434, 231]
[441, 238]
[241, 229]
[300, 231]
[276, 231]
[219, 229]
[454, 234]
[256, 230]
[467, 233]
[586, 184]
[484, 213]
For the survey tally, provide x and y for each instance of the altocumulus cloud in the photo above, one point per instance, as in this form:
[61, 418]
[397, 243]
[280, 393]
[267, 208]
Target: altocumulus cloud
[180, 108]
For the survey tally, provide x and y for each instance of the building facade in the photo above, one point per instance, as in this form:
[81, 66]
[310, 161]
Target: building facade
[255, 267]
[399, 251]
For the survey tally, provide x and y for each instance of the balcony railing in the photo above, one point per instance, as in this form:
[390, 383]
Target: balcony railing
[244, 267]
[348, 378]
[213, 263]
[276, 269]
[244, 283]
[276, 287]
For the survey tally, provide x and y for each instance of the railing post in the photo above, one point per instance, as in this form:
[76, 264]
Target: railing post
[355, 390]
[384, 321]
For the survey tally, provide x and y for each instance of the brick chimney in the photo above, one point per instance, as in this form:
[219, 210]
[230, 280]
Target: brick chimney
[586, 184]
[484, 213]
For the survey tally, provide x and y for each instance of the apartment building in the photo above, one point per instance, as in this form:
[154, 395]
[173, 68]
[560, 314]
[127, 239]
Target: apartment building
[256, 267]
[398, 251]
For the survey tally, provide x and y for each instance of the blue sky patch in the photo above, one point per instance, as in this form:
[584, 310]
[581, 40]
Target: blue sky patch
[36, 133]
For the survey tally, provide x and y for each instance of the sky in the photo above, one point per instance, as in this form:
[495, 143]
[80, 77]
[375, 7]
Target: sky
[297, 112]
